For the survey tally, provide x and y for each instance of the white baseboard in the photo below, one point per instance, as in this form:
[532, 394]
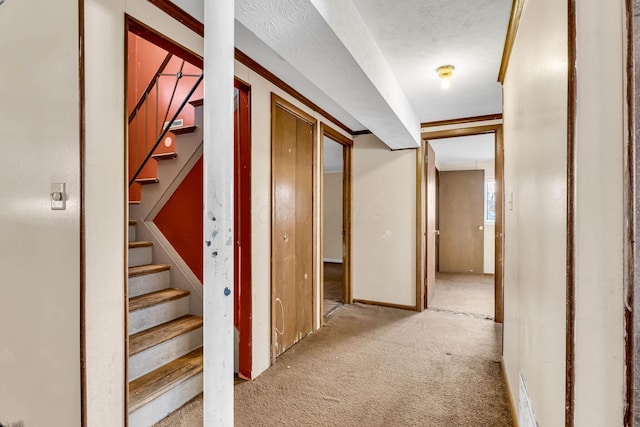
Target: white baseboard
[333, 260]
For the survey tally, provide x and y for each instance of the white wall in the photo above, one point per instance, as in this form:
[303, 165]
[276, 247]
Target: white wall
[384, 223]
[332, 217]
[40, 261]
[535, 138]
[489, 227]
[600, 121]
[105, 195]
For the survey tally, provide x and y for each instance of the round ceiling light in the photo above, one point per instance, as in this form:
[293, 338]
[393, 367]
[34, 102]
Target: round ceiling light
[445, 72]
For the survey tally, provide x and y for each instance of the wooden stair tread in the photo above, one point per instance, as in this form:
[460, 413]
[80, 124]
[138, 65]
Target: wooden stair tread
[134, 202]
[155, 298]
[139, 244]
[165, 156]
[158, 334]
[183, 129]
[133, 222]
[197, 102]
[143, 270]
[145, 181]
[152, 385]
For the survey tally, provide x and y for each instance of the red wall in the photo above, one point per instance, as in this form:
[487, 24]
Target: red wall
[144, 60]
[180, 220]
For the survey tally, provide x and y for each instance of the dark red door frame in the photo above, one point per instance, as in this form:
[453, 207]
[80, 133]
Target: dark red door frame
[242, 221]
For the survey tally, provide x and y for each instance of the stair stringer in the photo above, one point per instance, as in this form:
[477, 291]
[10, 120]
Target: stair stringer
[171, 173]
[181, 276]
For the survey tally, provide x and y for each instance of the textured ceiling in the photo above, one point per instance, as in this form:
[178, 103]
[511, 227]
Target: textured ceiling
[328, 43]
[313, 45]
[418, 36]
[464, 149]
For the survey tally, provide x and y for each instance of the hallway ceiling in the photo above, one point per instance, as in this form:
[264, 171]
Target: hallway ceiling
[464, 149]
[371, 63]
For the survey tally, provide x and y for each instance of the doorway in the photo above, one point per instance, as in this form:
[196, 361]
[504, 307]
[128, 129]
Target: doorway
[479, 260]
[336, 222]
[293, 142]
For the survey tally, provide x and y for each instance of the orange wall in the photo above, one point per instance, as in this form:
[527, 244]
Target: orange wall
[144, 60]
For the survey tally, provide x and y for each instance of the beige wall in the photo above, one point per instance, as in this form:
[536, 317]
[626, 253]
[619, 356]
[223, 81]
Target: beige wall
[40, 262]
[535, 137]
[105, 195]
[384, 223]
[535, 113]
[261, 90]
[332, 227]
[489, 227]
[600, 121]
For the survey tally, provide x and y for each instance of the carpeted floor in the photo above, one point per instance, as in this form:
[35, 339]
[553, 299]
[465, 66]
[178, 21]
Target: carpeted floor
[375, 366]
[464, 293]
[333, 283]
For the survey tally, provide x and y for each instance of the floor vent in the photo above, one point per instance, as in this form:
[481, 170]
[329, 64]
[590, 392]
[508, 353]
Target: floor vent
[526, 418]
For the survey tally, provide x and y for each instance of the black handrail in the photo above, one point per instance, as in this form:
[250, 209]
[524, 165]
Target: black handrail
[166, 129]
[152, 83]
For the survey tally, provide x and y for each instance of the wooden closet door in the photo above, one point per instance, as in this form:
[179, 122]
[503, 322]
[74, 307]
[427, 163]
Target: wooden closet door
[292, 232]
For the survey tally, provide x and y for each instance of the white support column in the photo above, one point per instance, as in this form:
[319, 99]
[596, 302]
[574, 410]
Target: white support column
[218, 213]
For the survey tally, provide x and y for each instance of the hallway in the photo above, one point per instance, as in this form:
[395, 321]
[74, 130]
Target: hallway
[464, 293]
[375, 366]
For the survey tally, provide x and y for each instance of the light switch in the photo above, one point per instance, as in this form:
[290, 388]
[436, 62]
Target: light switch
[58, 197]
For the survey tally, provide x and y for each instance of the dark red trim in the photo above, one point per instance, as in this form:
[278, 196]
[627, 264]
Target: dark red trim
[180, 15]
[151, 35]
[571, 209]
[243, 58]
[83, 270]
[630, 341]
[242, 230]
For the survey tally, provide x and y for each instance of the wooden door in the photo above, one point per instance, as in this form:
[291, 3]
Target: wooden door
[292, 228]
[462, 221]
[430, 172]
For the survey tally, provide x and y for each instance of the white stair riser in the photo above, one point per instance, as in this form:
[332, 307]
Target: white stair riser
[140, 256]
[161, 354]
[146, 318]
[147, 283]
[132, 233]
[159, 408]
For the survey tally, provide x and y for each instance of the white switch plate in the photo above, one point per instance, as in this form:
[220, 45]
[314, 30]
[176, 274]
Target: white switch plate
[58, 196]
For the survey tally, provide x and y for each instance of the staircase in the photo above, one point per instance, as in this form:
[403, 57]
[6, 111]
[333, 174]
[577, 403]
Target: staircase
[165, 341]
[165, 368]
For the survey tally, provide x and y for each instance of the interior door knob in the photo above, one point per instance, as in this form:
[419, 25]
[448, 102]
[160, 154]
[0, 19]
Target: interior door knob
[480, 227]
[285, 237]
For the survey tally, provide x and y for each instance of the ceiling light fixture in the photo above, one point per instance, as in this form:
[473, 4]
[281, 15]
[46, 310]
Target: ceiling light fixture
[445, 73]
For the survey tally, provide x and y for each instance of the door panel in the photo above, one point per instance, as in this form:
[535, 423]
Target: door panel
[431, 222]
[462, 221]
[499, 226]
[292, 235]
[304, 229]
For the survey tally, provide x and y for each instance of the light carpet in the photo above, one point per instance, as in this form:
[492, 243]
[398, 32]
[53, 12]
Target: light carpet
[374, 366]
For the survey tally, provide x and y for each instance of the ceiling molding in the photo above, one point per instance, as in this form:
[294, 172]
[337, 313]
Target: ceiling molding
[463, 120]
[514, 21]
[268, 75]
[180, 15]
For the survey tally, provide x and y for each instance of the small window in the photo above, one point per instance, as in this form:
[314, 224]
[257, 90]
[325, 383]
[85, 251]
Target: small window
[490, 200]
